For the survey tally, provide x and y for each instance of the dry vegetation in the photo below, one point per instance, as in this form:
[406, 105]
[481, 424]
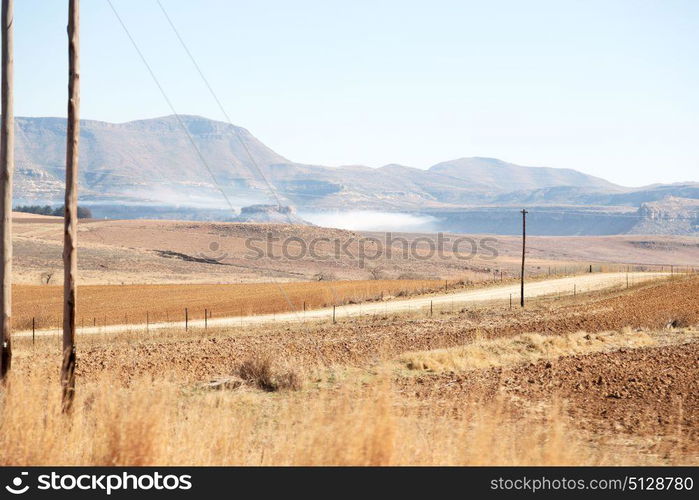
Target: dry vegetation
[130, 304]
[167, 424]
[159, 252]
[522, 349]
[625, 391]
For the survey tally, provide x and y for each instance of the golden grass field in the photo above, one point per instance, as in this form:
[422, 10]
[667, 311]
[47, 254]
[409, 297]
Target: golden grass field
[163, 423]
[610, 378]
[125, 304]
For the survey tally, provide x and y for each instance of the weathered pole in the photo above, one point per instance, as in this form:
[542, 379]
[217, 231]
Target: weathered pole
[7, 146]
[70, 256]
[524, 251]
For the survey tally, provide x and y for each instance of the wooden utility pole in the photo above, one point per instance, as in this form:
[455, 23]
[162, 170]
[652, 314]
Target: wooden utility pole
[7, 161]
[524, 251]
[70, 256]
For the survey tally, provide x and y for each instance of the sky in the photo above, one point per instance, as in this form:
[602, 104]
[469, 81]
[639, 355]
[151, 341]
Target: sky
[606, 87]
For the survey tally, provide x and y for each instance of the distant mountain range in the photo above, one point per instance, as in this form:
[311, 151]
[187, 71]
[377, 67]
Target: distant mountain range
[148, 168]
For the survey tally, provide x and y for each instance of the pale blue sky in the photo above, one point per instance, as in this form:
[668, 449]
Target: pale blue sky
[607, 87]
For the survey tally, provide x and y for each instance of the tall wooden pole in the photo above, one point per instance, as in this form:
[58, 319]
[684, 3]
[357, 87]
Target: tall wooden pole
[70, 256]
[524, 251]
[7, 161]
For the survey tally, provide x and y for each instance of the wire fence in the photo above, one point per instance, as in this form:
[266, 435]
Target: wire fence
[453, 297]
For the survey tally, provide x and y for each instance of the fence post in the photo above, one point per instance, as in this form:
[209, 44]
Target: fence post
[186, 319]
[33, 331]
[333, 313]
[430, 308]
[206, 319]
[510, 301]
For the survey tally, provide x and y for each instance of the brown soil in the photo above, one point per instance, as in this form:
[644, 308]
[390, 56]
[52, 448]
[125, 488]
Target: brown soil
[370, 340]
[646, 398]
[650, 392]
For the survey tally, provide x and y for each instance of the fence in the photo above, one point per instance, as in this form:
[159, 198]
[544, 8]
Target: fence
[452, 297]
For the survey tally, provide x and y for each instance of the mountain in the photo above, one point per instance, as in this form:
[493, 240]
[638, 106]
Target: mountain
[144, 160]
[154, 161]
[510, 177]
[672, 215]
[181, 166]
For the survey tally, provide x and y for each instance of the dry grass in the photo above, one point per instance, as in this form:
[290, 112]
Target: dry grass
[131, 304]
[140, 251]
[338, 415]
[329, 394]
[163, 423]
[521, 349]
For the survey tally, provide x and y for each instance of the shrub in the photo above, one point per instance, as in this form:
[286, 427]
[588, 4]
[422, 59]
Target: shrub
[260, 372]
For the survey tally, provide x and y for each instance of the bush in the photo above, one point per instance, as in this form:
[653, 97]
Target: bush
[259, 371]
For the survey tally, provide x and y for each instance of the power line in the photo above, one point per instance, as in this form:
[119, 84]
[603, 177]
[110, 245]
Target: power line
[220, 106]
[253, 162]
[182, 125]
[171, 106]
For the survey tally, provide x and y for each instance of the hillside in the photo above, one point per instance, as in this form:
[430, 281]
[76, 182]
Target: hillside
[181, 168]
[157, 251]
[154, 161]
[508, 177]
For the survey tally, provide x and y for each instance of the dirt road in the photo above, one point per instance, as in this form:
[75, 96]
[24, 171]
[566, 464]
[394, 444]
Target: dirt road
[564, 286]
